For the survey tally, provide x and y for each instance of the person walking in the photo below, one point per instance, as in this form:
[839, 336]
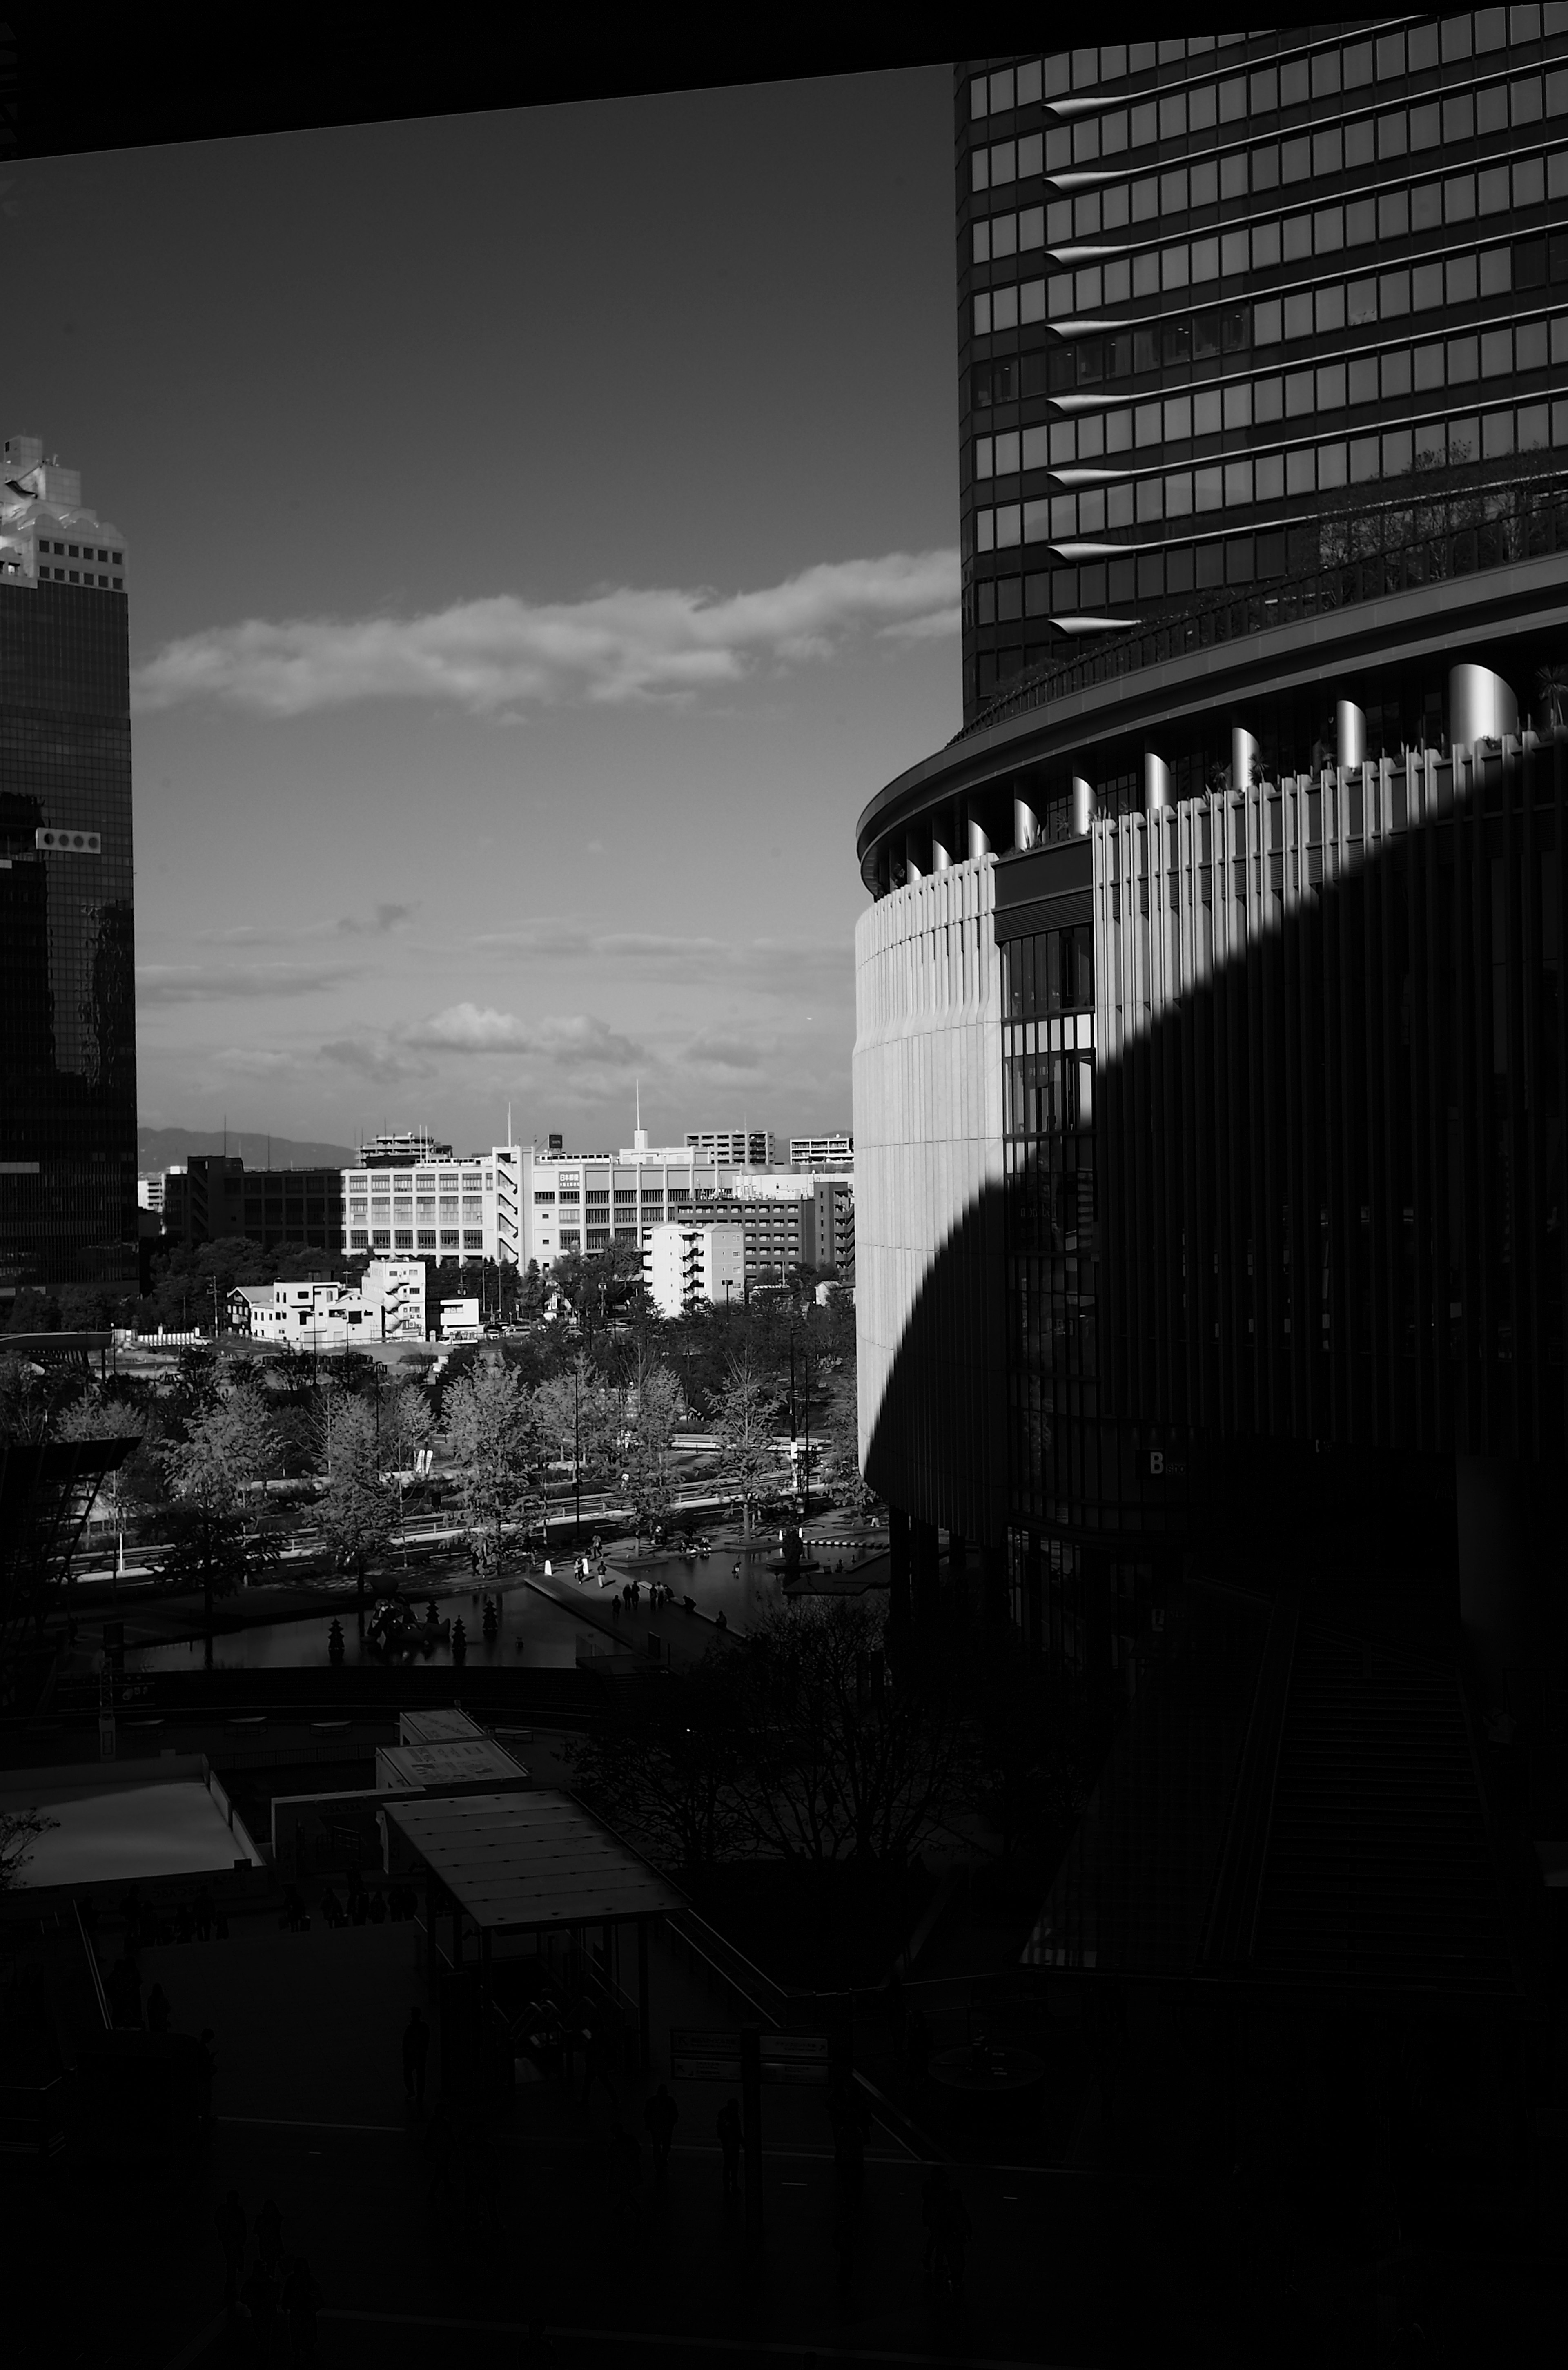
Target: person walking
[661, 2116]
[299, 2302]
[259, 2297]
[933, 2211]
[728, 2130]
[956, 2232]
[416, 2052]
[230, 2221]
[270, 2236]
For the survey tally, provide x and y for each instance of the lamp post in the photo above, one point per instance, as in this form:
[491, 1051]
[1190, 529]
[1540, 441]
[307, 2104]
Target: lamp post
[577, 1453]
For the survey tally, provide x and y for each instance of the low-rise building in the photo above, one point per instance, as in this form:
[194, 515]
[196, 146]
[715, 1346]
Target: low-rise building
[215, 1198]
[745, 1148]
[442, 1208]
[391, 1304]
[685, 1266]
[835, 1151]
[460, 1320]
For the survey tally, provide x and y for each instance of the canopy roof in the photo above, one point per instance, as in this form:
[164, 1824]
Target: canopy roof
[519, 1863]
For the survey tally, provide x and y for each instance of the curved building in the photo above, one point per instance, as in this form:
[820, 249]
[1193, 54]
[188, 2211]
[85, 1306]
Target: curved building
[1210, 1075]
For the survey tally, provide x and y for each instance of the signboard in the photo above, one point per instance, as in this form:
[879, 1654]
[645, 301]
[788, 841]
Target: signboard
[698, 2057]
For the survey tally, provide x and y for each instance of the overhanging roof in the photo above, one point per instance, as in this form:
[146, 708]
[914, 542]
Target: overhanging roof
[522, 1863]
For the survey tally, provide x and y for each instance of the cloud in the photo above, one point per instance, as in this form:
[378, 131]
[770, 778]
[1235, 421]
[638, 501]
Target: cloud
[475, 1028]
[769, 966]
[939, 626]
[374, 1059]
[384, 919]
[200, 983]
[720, 1052]
[505, 654]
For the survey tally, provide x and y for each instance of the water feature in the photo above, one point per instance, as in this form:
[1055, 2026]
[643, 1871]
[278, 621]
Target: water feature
[533, 1631]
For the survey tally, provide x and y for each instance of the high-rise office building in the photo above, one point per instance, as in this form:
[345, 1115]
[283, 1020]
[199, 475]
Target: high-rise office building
[1229, 307]
[1210, 1070]
[67, 981]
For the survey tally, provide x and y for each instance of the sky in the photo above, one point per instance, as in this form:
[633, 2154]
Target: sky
[542, 543]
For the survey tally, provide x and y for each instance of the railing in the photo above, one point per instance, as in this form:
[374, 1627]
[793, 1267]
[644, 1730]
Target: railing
[1529, 523]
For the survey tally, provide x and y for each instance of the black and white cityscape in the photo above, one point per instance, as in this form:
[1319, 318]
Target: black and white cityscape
[783, 1268]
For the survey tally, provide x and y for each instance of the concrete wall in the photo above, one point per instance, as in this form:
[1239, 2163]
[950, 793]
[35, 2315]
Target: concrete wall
[927, 1099]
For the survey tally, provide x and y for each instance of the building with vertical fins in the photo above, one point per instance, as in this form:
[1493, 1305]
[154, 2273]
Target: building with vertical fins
[67, 982]
[1210, 1072]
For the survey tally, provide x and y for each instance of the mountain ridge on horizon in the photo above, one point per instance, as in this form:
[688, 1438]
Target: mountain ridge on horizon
[163, 1147]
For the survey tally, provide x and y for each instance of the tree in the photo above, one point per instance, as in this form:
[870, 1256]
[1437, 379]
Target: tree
[670, 1773]
[19, 1830]
[359, 1507]
[841, 1437]
[104, 1419]
[744, 1418]
[229, 1447]
[492, 1434]
[577, 1415]
[655, 1406]
[838, 1766]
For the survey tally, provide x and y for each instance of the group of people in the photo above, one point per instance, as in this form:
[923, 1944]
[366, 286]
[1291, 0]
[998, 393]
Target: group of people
[399, 1903]
[150, 1925]
[277, 2297]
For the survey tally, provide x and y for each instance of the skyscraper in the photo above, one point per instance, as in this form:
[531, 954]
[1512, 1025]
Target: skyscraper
[1215, 293]
[67, 982]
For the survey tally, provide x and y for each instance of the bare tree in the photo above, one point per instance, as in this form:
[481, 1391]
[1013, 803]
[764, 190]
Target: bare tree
[839, 1765]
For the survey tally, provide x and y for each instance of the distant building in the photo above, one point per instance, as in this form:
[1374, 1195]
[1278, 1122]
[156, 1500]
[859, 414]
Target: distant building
[150, 1190]
[440, 1208]
[822, 1152]
[460, 1320]
[67, 987]
[400, 1147]
[587, 1201]
[392, 1303]
[750, 1148]
[214, 1199]
[686, 1266]
[783, 1228]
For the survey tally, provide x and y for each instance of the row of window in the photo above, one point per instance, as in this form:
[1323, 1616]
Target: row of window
[1319, 76]
[382, 1238]
[1272, 476]
[1086, 591]
[1306, 313]
[1335, 149]
[1299, 238]
[1387, 377]
[1410, 205]
[80, 576]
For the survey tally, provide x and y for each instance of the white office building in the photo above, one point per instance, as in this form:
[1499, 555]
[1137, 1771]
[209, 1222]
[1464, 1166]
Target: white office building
[439, 1209]
[685, 1266]
[150, 1190]
[747, 1148]
[389, 1304]
[822, 1152]
[516, 1203]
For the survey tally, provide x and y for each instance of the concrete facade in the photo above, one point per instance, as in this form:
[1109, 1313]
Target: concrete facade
[928, 1095]
[687, 1265]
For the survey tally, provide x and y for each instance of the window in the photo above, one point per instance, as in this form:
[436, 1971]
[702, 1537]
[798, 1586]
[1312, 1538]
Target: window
[473, 1238]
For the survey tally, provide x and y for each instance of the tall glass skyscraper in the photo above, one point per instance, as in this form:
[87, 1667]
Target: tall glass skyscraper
[67, 981]
[1216, 292]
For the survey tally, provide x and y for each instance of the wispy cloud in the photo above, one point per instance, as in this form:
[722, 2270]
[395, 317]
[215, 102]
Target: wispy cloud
[475, 1028]
[201, 982]
[772, 966]
[507, 654]
[384, 918]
